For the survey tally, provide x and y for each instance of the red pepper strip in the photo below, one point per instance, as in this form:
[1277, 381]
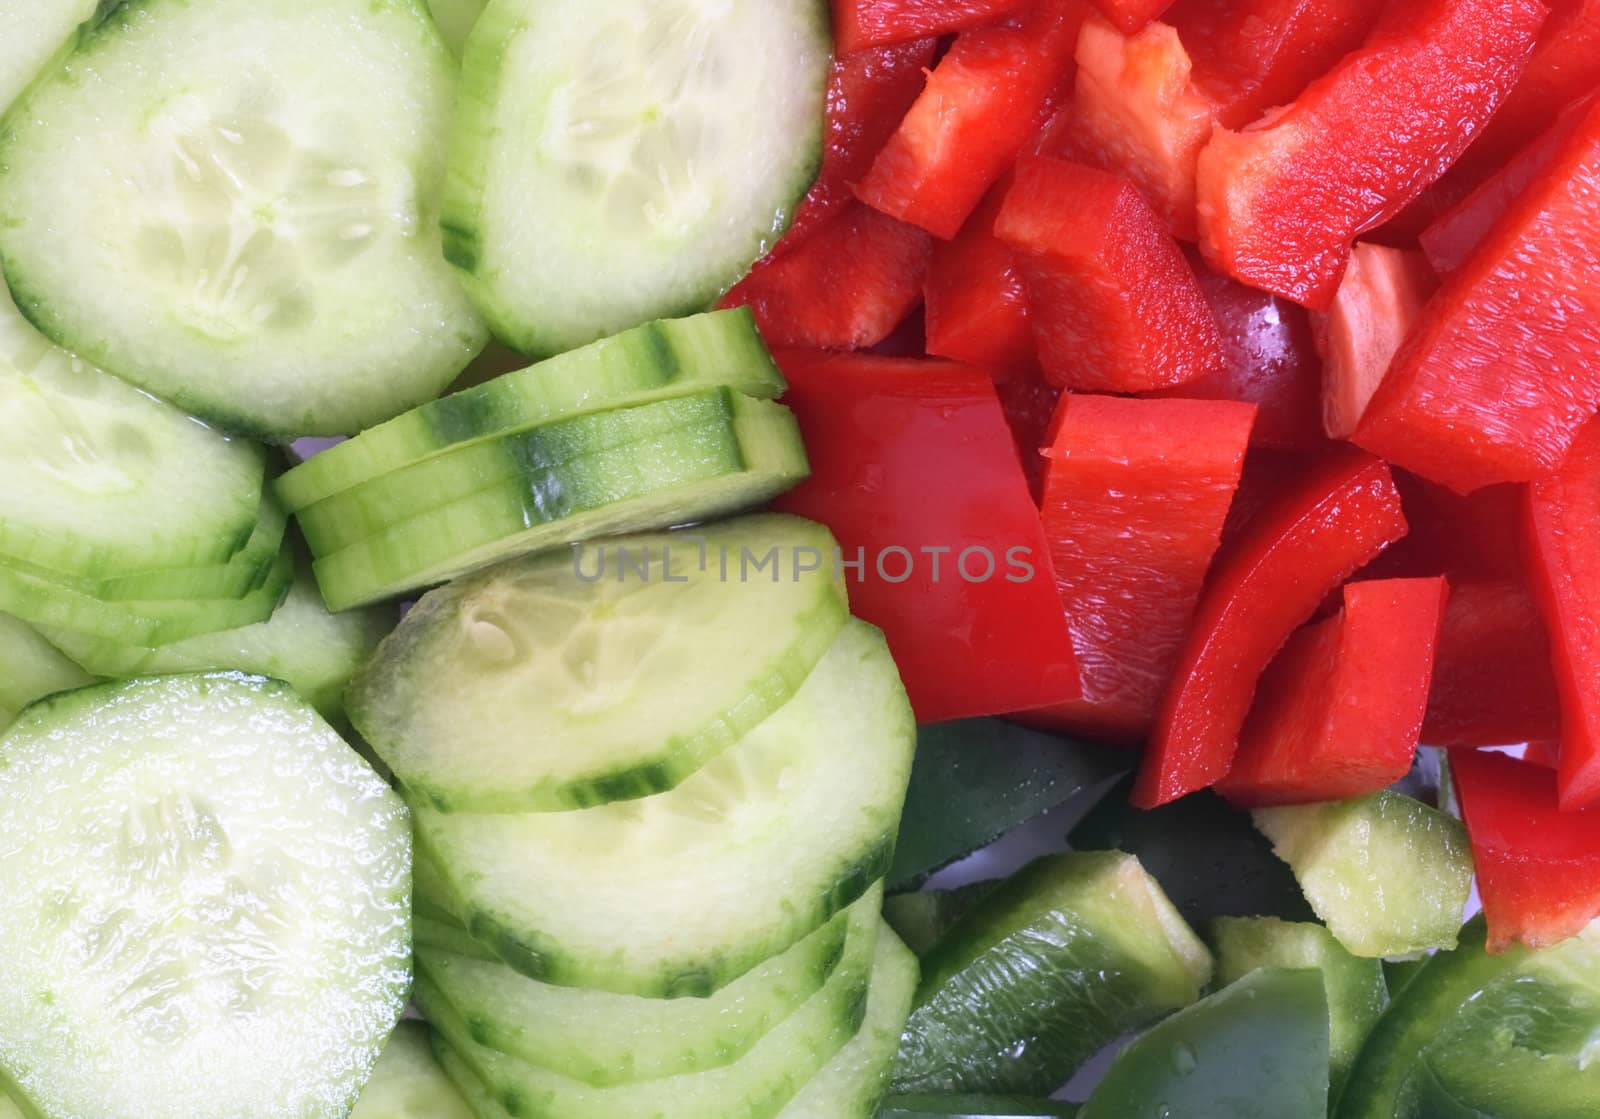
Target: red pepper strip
[1114, 305]
[1500, 374]
[1337, 518]
[1565, 66]
[1131, 16]
[1272, 363]
[1030, 404]
[1478, 536]
[1136, 113]
[1538, 866]
[1563, 534]
[1253, 55]
[1454, 235]
[1492, 682]
[1545, 752]
[847, 286]
[983, 102]
[1281, 203]
[1339, 711]
[861, 24]
[1136, 492]
[976, 305]
[1379, 301]
[868, 96]
[915, 472]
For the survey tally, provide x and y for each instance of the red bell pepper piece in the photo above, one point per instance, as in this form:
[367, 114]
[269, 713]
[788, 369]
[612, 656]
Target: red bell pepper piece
[976, 304]
[848, 285]
[1132, 15]
[1136, 492]
[1492, 682]
[1477, 536]
[1136, 113]
[1545, 752]
[1030, 404]
[1114, 305]
[915, 472]
[869, 94]
[1500, 374]
[1563, 526]
[983, 102]
[1254, 55]
[1451, 237]
[1379, 302]
[1281, 203]
[1538, 867]
[1272, 363]
[1339, 711]
[861, 24]
[1334, 520]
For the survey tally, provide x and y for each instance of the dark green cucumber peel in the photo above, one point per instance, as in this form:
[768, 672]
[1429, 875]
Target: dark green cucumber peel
[1208, 856]
[974, 1107]
[1255, 1050]
[975, 780]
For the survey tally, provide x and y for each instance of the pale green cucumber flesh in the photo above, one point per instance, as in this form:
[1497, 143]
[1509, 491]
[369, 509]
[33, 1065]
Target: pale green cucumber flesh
[31, 668]
[407, 1082]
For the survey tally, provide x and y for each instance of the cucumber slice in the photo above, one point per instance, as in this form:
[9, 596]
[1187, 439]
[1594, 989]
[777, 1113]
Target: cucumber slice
[31, 668]
[756, 1086]
[752, 853]
[455, 20]
[1357, 991]
[851, 1085]
[407, 1082]
[652, 362]
[692, 475]
[619, 163]
[973, 1107]
[301, 643]
[32, 35]
[1068, 955]
[103, 480]
[207, 904]
[478, 698]
[246, 570]
[535, 460]
[10, 1110]
[604, 1039]
[922, 919]
[1387, 874]
[1255, 1050]
[265, 250]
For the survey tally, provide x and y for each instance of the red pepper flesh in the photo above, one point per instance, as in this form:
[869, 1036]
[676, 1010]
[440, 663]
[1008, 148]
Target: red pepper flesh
[914, 471]
[1114, 305]
[977, 306]
[1334, 520]
[1132, 15]
[860, 24]
[1281, 203]
[1339, 711]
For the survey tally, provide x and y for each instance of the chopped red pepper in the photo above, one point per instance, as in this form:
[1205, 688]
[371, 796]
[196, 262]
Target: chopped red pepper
[1114, 305]
[1253, 55]
[1136, 492]
[1563, 526]
[848, 285]
[915, 472]
[1339, 711]
[1334, 520]
[1272, 363]
[1500, 374]
[976, 304]
[983, 102]
[1477, 536]
[1379, 301]
[1135, 113]
[860, 24]
[1538, 867]
[1030, 404]
[1131, 15]
[868, 96]
[1545, 752]
[1281, 203]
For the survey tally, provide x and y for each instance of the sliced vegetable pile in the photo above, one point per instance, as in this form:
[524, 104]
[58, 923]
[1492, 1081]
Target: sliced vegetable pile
[1158, 450]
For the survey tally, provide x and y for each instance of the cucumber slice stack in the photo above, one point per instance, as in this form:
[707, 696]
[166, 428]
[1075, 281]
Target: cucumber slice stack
[136, 540]
[654, 798]
[666, 423]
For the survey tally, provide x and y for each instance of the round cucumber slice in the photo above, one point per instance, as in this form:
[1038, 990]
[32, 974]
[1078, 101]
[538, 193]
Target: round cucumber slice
[478, 698]
[680, 894]
[617, 163]
[408, 1083]
[652, 362]
[264, 248]
[31, 668]
[207, 904]
[31, 36]
[756, 1086]
[695, 474]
